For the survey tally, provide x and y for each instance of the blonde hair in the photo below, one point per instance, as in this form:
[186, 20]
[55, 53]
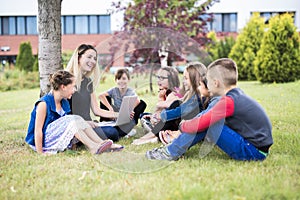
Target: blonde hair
[74, 68]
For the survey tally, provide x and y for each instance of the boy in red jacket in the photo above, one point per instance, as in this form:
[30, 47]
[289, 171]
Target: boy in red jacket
[237, 123]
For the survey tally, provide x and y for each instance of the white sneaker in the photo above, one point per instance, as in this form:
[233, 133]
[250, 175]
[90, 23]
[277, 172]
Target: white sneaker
[131, 133]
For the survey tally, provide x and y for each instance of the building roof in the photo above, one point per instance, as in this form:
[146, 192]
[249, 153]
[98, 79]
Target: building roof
[10, 44]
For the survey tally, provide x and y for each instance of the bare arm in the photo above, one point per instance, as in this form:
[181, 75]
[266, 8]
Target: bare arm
[169, 100]
[100, 112]
[103, 99]
[39, 123]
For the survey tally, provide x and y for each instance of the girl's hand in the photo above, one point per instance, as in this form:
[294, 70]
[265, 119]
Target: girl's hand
[132, 115]
[162, 94]
[115, 114]
[154, 119]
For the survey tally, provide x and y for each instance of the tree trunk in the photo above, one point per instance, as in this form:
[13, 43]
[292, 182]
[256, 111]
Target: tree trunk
[49, 27]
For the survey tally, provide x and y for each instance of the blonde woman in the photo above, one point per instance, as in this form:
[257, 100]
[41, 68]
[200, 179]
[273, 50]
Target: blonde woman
[84, 65]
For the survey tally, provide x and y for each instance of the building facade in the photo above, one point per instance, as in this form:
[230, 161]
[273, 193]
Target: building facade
[90, 22]
[232, 15]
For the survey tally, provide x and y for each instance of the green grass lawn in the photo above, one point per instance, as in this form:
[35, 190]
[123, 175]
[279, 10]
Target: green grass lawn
[128, 175]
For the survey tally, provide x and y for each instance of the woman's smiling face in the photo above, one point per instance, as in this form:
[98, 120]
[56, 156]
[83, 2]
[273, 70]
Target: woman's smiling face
[88, 61]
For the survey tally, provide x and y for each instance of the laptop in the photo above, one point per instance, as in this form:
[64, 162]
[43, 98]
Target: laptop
[126, 108]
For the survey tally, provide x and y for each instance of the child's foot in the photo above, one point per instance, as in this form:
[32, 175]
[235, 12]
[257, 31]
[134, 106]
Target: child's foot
[115, 148]
[145, 141]
[167, 136]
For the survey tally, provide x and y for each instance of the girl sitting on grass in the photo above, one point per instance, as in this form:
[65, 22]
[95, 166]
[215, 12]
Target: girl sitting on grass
[51, 129]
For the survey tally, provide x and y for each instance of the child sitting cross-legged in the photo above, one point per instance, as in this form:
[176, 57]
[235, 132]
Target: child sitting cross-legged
[237, 124]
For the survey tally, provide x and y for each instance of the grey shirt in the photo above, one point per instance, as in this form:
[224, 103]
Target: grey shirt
[115, 94]
[81, 100]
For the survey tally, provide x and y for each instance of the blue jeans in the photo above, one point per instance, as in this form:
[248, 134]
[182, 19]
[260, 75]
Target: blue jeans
[226, 139]
[107, 132]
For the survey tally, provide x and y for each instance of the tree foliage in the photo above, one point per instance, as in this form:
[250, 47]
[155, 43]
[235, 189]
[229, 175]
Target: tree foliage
[25, 59]
[278, 59]
[247, 45]
[154, 25]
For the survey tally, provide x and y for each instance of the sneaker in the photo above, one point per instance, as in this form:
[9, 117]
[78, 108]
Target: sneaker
[131, 133]
[146, 124]
[159, 153]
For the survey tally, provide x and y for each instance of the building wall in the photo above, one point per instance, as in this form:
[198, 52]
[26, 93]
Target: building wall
[246, 7]
[69, 7]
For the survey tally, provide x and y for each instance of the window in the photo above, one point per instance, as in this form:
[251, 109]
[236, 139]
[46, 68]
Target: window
[268, 15]
[104, 24]
[31, 25]
[93, 22]
[27, 25]
[217, 23]
[69, 25]
[89, 24]
[21, 25]
[81, 24]
[12, 26]
[5, 25]
[223, 22]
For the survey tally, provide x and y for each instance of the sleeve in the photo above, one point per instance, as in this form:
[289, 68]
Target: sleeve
[224, 108]
[110, 92]
[167, 115]
[131, 92]
[181, 111]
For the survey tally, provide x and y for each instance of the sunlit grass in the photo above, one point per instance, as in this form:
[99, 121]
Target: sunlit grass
[80, 175]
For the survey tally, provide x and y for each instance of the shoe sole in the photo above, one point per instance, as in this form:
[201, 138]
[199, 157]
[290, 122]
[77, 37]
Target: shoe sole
[114, 149]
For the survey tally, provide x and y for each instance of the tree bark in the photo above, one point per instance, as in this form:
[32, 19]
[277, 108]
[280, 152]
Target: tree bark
[49, 28]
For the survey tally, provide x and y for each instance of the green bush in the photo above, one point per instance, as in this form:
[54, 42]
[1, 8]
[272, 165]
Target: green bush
[246, 47]
[278, 59]
[25, 59]
[66, 56]
[220, 48]
[36, 64]
[16, 80]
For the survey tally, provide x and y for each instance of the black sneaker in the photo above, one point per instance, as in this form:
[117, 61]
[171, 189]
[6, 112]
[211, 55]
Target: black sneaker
[159, 153]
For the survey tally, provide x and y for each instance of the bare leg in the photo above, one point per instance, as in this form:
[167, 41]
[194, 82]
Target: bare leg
[93, 135]
[149, 135]
[91, 145]
[148, 138]
[94, 147]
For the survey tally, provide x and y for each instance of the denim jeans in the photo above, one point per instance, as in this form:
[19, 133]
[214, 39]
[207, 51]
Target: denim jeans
[107, 132]
[226, 139]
